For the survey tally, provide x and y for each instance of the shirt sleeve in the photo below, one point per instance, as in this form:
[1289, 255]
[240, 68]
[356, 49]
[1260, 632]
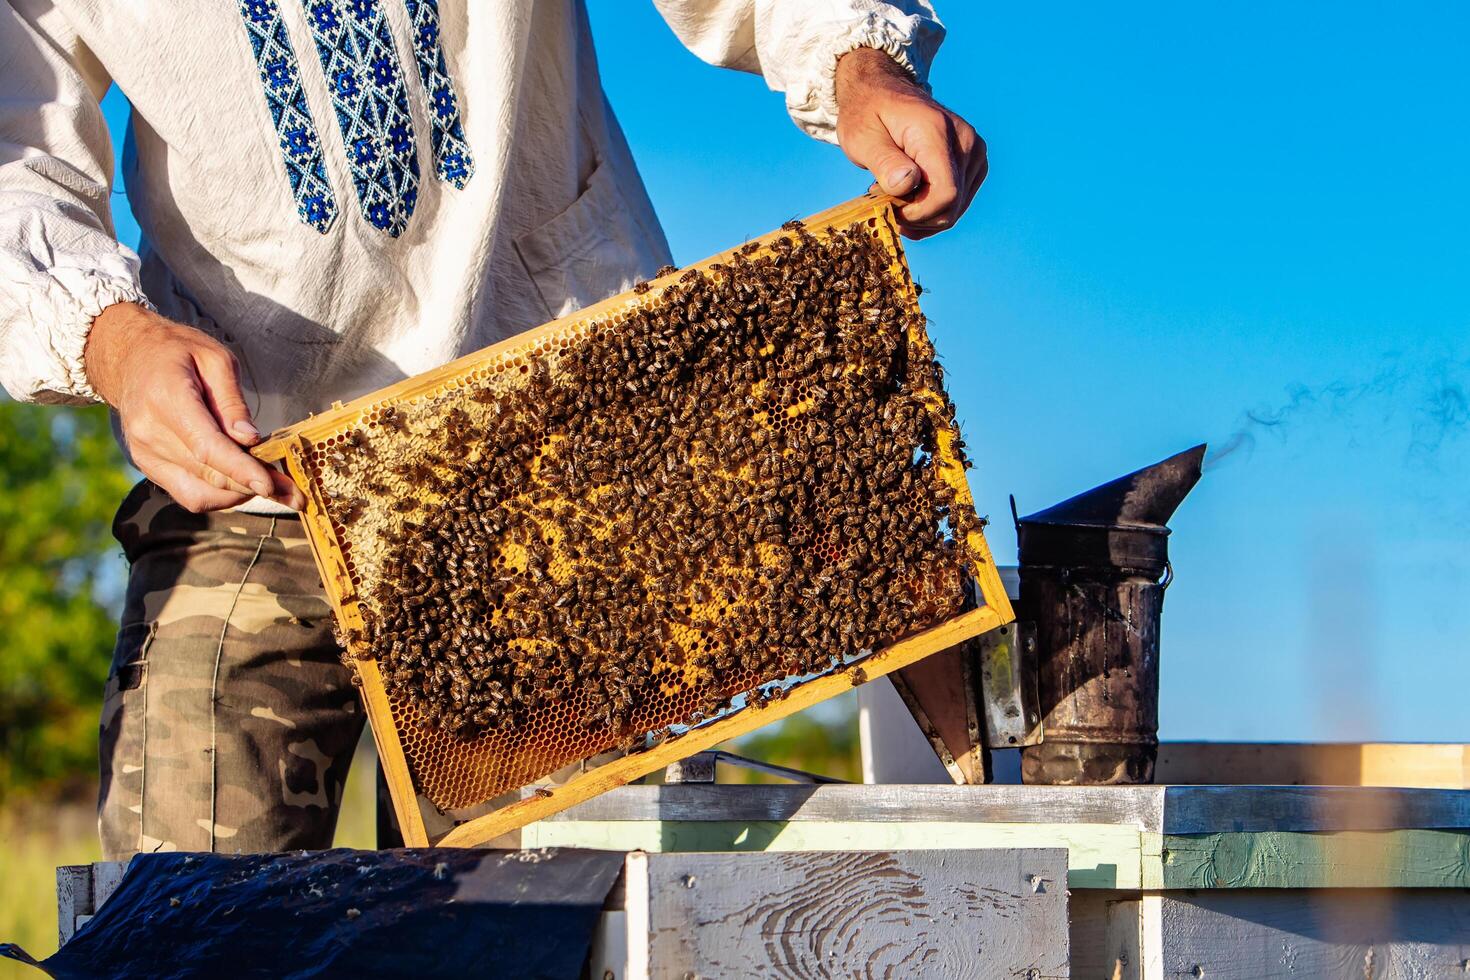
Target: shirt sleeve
[60, 262]
[795, 44]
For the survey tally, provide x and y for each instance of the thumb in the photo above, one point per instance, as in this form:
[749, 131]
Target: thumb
[894, 171]
[220, 373]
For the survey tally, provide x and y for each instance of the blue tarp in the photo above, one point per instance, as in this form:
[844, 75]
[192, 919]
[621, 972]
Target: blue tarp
[397, 913]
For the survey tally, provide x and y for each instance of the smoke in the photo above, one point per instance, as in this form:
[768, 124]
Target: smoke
[1426, 405]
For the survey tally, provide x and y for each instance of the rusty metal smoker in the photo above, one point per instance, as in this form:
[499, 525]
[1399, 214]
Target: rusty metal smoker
[1093, 573]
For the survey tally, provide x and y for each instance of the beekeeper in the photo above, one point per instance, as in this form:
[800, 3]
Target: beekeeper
[335, 195]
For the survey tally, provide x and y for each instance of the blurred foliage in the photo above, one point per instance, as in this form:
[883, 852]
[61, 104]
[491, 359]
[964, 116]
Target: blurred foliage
[62, 477]
[821, 740]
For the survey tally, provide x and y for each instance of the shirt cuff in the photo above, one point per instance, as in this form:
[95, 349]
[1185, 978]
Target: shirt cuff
[75, 299]
[910, 40]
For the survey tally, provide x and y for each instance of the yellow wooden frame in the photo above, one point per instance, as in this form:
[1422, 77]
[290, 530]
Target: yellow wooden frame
[290, 446]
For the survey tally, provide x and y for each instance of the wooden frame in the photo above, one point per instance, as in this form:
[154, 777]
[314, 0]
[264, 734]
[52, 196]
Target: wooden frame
[292, 444]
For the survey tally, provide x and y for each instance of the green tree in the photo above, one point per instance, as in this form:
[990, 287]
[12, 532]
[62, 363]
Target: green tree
[61, 577]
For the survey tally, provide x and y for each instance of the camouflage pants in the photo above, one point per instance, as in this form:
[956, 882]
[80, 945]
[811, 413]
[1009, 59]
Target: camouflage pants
[228, 723]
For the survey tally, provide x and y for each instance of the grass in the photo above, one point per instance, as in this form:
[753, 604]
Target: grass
[33, 841]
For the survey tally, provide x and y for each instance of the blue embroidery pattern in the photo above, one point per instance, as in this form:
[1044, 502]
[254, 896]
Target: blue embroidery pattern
[452, 158]
[301, 149]
[368, 93]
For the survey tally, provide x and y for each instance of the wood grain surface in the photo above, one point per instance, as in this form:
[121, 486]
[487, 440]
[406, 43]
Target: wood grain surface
[954, 914]
[1327, 935]
[1344, 859]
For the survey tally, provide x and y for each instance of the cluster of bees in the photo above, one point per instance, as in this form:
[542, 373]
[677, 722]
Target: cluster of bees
[737, 480]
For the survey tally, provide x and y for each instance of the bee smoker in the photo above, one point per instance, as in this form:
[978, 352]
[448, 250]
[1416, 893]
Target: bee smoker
[1093, 572]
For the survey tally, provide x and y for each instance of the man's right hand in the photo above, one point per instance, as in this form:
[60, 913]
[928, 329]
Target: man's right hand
[177, 391]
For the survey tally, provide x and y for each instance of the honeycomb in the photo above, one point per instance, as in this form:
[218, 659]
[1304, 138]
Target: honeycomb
[668, 648]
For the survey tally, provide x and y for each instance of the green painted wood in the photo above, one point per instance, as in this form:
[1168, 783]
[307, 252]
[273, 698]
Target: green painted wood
[1344, 859]
[1099, 855]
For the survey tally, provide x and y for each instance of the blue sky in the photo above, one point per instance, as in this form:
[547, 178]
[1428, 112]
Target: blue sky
[1195, 212]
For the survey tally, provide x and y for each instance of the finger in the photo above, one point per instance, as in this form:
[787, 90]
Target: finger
[167, 446]
[188, 490]
[970, 186]
[930, 140]
[976, 170]
[221, 375]
[286, 491]
[218, 480]
[206, 446]
[872, 148]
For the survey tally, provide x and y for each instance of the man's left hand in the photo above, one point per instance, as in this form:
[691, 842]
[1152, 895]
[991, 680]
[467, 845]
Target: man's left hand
[916, 148]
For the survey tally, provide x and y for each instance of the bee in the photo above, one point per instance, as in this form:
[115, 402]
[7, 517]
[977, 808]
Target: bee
[351, 511]
[392, 418]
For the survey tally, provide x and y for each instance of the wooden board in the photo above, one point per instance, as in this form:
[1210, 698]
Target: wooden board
[1427, 765]
[939, 692]
[1105, 934]
[1402, 935]
[950, 914]
[1162, 809]
[1345, 859]
[1099, 855]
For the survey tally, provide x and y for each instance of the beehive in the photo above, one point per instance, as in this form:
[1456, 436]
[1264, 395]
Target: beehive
[380, 476]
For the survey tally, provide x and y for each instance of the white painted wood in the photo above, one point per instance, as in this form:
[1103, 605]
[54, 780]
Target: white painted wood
[893, 747]
[1403, 934]
[1138, 806]
[637, 914]
[80, 891]
[1160, 809]
[943, 914]
[608, 959]
[1151, 937]
[73, 899]
[106, 876]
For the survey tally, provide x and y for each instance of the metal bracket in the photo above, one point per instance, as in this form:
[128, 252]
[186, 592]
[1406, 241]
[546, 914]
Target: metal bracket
[1008, 695]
